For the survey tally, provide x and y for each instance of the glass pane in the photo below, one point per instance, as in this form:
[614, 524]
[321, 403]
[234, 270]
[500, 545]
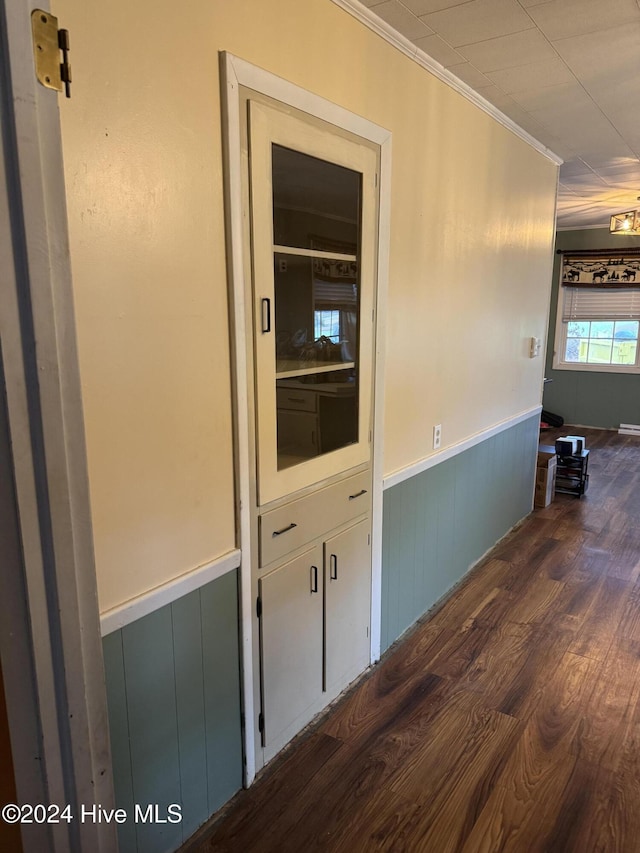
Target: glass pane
[626, 330]
[600, 351]
[577, 349]
[316, 324]
[624, 352]
[602, 329]
[625, 343]
[317, 413]
[316, 205]
[316, 313]
[578, 329]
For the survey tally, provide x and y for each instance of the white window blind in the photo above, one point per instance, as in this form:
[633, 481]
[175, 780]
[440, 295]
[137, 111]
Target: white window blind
[591, 303]
[330, 294]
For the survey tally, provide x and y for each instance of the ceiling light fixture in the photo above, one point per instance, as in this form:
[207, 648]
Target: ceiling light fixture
[625, 223]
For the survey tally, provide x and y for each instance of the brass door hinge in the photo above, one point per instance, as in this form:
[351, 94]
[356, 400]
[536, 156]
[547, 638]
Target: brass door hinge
[52, 68]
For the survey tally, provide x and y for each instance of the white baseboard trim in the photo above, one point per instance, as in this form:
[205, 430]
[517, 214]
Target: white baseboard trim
[449, 452]
[629, 429]
[142, 605]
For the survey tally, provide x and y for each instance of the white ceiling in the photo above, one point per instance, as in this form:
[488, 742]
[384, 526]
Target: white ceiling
[565, 71]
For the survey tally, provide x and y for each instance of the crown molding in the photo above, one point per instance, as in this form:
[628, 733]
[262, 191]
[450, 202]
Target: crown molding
[368, 17]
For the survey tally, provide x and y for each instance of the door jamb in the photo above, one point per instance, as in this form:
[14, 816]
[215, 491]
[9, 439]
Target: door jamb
[62, 725]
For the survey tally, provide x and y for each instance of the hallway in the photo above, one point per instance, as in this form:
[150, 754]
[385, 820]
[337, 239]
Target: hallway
[508, 720]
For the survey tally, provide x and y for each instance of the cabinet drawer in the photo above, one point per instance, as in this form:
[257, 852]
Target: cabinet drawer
[293, 525]
[292, 398]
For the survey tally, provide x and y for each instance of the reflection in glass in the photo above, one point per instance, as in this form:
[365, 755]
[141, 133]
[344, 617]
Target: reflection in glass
[316, 324]
[313, 200]
[316, 414]
[316, 313]
[316, 216]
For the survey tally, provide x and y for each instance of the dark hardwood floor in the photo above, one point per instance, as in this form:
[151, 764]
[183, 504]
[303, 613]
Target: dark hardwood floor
[508, 720]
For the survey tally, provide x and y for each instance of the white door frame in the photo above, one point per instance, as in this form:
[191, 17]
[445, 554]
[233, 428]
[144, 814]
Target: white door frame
[236, 72]
[58, 720]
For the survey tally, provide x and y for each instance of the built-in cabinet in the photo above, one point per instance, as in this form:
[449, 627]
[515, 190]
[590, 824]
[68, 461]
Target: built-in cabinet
[312, 195]
[315, 613]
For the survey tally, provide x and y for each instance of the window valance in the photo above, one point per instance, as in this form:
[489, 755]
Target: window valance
[618, 270]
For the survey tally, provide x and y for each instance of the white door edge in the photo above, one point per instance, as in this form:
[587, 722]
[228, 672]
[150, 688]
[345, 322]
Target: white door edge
[45, 419]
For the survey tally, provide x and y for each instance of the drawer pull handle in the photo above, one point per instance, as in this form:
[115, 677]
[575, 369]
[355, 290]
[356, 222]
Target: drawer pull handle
[314, 578]
[333, 567]
[295, 399]
[284, 530]
[357, 495]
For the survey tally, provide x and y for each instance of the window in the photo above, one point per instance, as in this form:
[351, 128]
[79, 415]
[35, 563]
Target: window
[327, 324]
[601, 342]
[599, 315]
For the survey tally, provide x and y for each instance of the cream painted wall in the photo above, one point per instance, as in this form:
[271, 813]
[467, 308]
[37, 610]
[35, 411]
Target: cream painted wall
[470, 270]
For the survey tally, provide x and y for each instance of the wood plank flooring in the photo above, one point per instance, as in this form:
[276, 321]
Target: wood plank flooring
[507, 721]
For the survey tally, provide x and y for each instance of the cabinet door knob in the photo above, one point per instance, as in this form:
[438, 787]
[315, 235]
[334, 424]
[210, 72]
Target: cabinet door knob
[284, 529]
[357, 495]
[314, 578]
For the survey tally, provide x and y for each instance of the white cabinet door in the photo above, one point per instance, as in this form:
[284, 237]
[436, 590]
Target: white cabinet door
[314, 210]
[347, 566]
[291, 640]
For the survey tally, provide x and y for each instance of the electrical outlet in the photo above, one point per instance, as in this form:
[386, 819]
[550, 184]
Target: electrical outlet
[437, 436]
[282, 265]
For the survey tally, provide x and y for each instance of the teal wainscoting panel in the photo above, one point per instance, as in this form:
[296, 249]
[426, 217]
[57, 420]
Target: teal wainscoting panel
[437, 524]
[222, 688]
[444, 484]
[119, 731]
[153, 726]
[187, 647]
[173, 690]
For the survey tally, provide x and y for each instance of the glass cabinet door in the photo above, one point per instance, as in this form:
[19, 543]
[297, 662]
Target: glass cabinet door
[314, 232]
